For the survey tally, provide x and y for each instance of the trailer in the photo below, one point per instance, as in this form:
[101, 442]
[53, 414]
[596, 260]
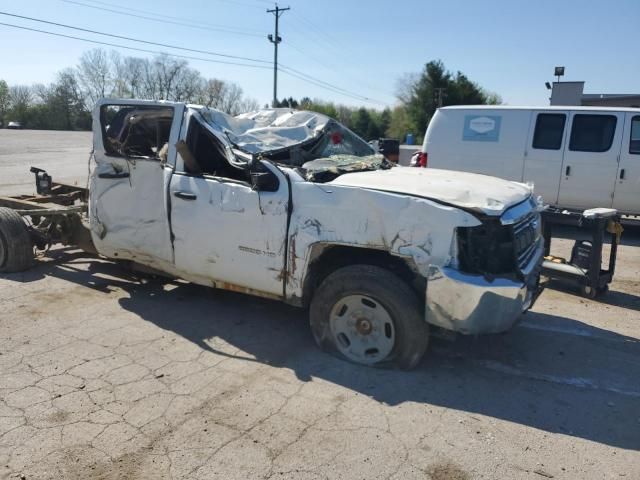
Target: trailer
[57, 213]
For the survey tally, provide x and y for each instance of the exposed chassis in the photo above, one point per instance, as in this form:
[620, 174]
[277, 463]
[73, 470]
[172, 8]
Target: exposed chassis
[55, 217]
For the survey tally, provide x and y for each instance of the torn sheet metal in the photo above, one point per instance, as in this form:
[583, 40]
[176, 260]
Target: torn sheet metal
[418, 229]
[267, 130]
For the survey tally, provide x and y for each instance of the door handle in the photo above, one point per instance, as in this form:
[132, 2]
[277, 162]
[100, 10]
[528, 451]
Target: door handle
[114, 175]
[567, 171]
[622, 174]
[185, 195]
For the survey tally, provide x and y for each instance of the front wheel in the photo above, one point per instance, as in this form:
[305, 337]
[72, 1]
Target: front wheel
[369, 316]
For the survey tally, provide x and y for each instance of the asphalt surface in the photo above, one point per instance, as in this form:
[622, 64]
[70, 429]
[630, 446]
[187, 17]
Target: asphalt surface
[106, 375]
[64, 155]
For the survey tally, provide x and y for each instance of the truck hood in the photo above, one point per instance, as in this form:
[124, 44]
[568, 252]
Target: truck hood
[470, 191]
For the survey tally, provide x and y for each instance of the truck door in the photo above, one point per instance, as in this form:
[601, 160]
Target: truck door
[544, 153]
[225, 231]
[626, 197]
[127, 204]
[591, 160]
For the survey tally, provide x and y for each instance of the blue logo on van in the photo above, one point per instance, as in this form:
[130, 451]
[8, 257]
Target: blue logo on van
[481, 128]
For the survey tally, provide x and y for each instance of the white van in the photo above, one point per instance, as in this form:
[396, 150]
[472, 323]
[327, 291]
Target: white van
[576, 157]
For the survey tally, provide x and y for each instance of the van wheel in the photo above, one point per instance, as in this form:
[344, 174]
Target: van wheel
[16, 250]
[588, 292]
[368, 315]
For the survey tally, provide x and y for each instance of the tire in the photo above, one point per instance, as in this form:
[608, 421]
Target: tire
[368, 315]
[16, 249]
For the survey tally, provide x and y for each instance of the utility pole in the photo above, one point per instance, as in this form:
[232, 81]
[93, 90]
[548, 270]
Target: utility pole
[276, 39]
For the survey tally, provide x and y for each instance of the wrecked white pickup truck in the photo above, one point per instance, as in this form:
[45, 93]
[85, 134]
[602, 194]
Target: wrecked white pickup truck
[293, 206]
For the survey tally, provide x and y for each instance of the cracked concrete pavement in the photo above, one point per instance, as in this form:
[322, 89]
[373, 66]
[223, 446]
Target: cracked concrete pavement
[106, 375]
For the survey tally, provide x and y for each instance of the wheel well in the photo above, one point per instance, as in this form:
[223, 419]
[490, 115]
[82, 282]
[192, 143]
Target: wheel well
[326, 259]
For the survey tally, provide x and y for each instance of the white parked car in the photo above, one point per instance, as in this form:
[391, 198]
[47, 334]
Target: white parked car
[291, 205]
[576, 157]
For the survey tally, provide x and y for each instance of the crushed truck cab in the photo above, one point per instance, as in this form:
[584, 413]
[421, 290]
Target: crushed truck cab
[291, 205]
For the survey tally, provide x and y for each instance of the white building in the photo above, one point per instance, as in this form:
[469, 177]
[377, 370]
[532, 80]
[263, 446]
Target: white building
[572, 93]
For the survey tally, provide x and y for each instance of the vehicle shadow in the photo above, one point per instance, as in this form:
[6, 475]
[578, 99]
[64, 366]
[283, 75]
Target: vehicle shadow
[551, 373]
[615, 298]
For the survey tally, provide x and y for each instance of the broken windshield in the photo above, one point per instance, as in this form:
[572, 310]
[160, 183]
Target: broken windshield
[320, 147]
[287, 136]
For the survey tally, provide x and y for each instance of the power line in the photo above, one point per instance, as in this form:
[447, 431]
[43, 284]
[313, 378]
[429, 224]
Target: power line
[172, 17]
[312, 82]
[155, 52]
[288, 70]
[329, 87]
[318, 32]
[173, 22]
[324, 40]
[122, 37]
[319, 82]
[332, 69]
[276, 39]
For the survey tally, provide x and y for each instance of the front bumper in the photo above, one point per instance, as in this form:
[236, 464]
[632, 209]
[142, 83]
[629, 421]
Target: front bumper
[471, 304]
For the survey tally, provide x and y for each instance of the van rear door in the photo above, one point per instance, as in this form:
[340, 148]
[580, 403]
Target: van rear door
[544, 153]
[478, 140]
[591, 159]
[627, 190]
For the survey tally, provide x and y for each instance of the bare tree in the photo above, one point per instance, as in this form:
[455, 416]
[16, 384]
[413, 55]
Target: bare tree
[405, 86]
[94, 75]
[210, 94]
[167, 71]
[40, 93]
[248, 105]
[187, 86]
[231, 99]
[20, 96]
[149, 87]
[120, 87]
[134, 73]
[67, 102]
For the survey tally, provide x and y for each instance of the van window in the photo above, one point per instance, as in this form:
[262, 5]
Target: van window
[634, 143]
[549, 131]
[592, 133]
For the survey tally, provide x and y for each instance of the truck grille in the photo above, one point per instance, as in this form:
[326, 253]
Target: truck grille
[501, 246]
[525, 235]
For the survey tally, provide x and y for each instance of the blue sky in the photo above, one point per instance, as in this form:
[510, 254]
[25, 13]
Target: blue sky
[508, 47]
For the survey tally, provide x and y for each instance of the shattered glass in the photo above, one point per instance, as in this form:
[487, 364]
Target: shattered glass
[296, 138]
[327, 168]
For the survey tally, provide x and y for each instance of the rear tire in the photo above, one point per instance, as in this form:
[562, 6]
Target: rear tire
[370, 316]
[16, 249]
